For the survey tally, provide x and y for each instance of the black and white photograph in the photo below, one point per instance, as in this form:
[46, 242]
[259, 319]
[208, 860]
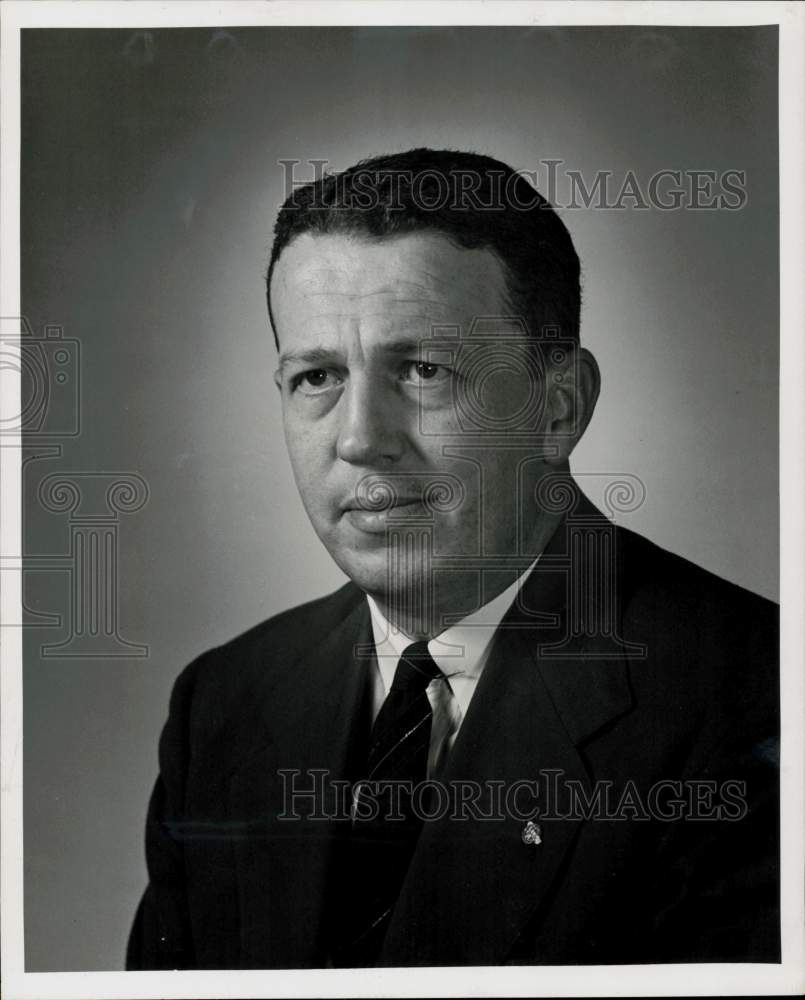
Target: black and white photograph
[402, 442]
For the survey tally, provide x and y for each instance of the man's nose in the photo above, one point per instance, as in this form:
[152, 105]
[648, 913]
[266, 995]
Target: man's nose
[371, 430]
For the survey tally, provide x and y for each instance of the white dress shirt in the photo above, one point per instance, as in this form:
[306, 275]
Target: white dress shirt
[460, 652]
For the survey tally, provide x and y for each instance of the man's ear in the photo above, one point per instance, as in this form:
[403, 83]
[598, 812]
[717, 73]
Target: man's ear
[571, 395]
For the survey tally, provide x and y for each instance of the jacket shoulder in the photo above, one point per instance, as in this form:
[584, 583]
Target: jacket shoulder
[257, 658]
[654, 577]
[295, 628]
[710, 645]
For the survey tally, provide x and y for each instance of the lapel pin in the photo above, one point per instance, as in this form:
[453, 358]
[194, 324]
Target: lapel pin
[532, 833]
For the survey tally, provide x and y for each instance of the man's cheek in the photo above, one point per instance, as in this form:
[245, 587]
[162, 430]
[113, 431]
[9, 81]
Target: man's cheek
[302, 452]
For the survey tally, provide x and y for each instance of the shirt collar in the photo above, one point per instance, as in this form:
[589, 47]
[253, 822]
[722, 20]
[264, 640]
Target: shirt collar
[460, 651]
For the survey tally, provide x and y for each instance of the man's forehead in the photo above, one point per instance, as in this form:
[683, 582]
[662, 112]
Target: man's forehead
[411, 273]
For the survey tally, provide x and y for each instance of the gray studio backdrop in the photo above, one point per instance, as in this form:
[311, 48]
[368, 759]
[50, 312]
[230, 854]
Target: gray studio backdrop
[150, 184]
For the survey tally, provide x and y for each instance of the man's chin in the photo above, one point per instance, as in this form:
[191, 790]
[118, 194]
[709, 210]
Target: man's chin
[379, 571]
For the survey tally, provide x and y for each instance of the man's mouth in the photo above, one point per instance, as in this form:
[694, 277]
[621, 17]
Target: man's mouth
[378, 519]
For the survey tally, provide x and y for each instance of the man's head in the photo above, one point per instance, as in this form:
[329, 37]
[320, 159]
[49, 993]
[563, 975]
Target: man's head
[474, 201]
[429, 370]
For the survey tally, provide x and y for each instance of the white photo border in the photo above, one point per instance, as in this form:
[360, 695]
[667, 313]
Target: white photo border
[632, 980]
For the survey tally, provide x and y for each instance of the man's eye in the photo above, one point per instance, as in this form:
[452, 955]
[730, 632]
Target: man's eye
[314, 381]
[421, 372]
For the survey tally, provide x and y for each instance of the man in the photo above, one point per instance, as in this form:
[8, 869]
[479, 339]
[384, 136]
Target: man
[519, 734]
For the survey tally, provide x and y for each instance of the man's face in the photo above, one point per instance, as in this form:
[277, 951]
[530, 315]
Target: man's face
[370, 416]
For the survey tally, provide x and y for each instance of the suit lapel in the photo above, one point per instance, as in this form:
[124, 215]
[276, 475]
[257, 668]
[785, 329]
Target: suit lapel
[473, 882]
[313, 715]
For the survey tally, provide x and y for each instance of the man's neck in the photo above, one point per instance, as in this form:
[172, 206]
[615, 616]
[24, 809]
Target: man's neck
[447, 597]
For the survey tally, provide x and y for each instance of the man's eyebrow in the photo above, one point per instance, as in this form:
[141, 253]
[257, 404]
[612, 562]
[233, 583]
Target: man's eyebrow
[409, 345]
[326, 355]
[310, 356]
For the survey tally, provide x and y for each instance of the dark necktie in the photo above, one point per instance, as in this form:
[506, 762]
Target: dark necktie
[386, 825]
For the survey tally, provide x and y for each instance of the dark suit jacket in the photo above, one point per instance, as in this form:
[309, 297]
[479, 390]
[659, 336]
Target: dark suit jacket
[674, 678]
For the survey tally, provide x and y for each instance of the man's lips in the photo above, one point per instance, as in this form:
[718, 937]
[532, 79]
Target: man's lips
[378, 508]
[378, 519]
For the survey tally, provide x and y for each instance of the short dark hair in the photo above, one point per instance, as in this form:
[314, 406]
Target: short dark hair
[473, 200]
